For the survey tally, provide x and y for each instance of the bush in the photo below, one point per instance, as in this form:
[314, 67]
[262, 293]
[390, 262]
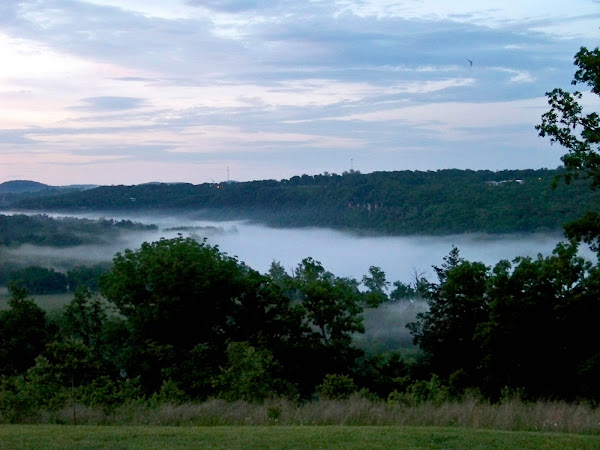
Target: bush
[105, 392]
[169, 393]
[17, 405]
[249, 375]
[420, 392]
[40, 280]
[336, 387]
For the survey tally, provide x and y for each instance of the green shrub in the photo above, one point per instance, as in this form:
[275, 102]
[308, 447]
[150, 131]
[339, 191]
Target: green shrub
[17, 405]
[336, 387]
[249, 375]
[274, 412]
[421, 391]
[169, 393]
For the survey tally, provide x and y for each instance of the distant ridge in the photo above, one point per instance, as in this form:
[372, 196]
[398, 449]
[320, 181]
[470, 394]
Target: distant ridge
[447, 201]
[23, 186]
[77, 187]
[18, 186]
[155, 183]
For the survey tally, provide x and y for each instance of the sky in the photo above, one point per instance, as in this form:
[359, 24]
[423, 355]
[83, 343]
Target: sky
[134, 91]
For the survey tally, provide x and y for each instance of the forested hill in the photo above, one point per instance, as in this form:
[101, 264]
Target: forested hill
[19, 186]
[406, 202]
[16, 190]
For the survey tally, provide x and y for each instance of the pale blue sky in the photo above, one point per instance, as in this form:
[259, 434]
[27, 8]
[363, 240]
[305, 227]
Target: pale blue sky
[131, 91]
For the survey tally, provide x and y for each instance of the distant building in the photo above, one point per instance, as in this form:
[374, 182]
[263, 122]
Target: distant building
[498, 183]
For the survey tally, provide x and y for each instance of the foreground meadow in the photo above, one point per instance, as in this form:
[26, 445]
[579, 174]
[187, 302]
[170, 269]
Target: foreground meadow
[68, 436]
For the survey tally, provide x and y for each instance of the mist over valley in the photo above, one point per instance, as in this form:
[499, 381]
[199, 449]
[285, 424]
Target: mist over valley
[342, 253]
[403, 222]
[345, 254]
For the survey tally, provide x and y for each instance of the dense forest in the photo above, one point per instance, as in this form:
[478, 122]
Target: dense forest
[15, 190]
[41, 229]
[440, 202]
[57, 232]
[20, 186]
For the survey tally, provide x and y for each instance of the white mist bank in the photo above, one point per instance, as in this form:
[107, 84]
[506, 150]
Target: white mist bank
[349, 255]
[343, 254]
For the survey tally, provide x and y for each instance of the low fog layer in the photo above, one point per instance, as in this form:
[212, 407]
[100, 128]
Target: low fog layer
[341, 253]
[385, 326]
[348, 255]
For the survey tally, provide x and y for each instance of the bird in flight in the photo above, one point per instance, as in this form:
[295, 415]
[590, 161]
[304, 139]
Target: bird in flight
[470, 63]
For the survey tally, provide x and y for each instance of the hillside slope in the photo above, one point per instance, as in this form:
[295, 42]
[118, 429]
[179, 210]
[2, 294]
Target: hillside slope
[19, 186]
[407, 202]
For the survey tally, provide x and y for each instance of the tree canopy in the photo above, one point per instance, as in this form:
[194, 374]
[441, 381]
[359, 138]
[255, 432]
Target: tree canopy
[402, 202]
[579, 133]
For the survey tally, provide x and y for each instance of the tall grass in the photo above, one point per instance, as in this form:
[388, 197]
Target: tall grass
[514, 415]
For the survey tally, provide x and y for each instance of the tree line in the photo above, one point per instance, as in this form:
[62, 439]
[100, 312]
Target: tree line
[40, 280]
[403, 202]
[41, 229]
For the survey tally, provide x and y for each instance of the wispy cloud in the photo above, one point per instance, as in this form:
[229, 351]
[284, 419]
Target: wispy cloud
[99, 104]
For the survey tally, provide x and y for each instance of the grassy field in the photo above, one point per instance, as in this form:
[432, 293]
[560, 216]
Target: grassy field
[63, 436]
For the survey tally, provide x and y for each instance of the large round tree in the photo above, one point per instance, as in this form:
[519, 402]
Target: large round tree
[179, 299]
